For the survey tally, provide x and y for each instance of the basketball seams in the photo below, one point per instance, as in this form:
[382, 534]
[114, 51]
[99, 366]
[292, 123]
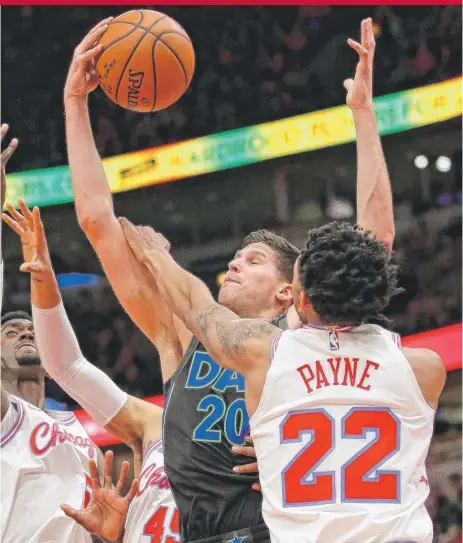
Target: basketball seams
[174, 53]
[158, 38]
[148, 30]
[155, 88]
[133, 52]
[120, 38]
[176, 32]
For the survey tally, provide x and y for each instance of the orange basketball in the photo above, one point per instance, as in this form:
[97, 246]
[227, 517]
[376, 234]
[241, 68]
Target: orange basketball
[148, 61]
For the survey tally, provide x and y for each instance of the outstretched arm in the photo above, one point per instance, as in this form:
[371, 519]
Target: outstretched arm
[6, 154]
[134, 287]
[238, 344]
[374, 195]
[132, 420]
[5, 157]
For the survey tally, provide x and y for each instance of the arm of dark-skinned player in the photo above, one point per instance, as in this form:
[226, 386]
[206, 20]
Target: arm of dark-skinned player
[374, 194]
[5, 157]
[251, 467]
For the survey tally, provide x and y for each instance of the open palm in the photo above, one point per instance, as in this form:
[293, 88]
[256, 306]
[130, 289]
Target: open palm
[5, 157]
[29, 227]
[106, 513]
[360, 89]
[82, 77]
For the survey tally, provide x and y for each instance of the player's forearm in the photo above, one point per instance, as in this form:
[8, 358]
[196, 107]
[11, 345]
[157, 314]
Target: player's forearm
[92, 195]
[63, 360]
[184, 294]
[56, 340]
[190, 299]
[44, 290]
[374, 195]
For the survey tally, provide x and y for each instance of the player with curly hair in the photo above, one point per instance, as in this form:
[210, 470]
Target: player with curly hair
[341, 415]
[205, 412]
[348, 275]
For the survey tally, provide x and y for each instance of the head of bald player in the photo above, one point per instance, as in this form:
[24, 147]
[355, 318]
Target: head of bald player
[22, 371]
[259, 278]
[343, 277]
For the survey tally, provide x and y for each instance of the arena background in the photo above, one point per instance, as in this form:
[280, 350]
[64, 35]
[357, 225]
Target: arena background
[254, 65]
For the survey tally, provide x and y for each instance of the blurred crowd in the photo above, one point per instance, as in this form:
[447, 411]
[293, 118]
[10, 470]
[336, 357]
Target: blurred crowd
[430, 257]
[444, 474]
[444, 506]
[428, 250]
[254, 64]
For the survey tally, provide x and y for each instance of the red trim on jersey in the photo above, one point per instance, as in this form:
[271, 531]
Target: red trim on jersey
[397, 340]
[15, 427]
[149, 449]
[328, 328]
[70, 420]
[274, 345]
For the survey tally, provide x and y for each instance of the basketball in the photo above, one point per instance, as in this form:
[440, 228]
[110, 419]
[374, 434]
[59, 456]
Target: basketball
[147, 62]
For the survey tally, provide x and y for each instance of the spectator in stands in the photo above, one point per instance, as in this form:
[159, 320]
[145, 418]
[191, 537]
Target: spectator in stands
[255, 64]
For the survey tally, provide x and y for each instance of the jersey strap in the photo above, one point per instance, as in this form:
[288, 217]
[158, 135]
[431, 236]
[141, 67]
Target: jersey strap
[186, 357]
[19, 412]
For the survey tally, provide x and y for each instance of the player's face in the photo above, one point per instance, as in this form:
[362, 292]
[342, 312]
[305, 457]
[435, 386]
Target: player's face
[18, 344]
[254, 285]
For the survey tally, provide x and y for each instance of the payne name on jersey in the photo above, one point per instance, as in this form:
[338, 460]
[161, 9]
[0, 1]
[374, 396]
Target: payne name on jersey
[339, 371]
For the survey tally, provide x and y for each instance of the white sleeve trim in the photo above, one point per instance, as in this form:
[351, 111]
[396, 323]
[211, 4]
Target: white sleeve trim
[63, 360]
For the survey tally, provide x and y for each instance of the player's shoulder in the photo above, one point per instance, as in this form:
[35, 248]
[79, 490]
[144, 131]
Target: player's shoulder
[20, 403]
[424, 358]
[429, 370]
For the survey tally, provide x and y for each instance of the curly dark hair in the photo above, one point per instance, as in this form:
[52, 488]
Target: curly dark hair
[348, 275]
[286, 252]
[13, 315]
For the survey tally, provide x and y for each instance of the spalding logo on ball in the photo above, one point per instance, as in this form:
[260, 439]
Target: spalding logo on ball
[148, 61]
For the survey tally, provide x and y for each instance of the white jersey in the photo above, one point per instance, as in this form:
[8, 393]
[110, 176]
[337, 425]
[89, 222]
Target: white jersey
[153, 515]
[44, 463]
[341, 434]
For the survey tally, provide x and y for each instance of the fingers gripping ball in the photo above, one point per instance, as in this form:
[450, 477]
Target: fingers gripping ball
[148, 61]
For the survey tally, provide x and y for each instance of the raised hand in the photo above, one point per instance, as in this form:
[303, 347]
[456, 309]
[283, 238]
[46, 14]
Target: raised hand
[360, 89]
[252, 467]
[82, 77]
[5, 157]
[29, 227]
[106, 513]
[142, 239]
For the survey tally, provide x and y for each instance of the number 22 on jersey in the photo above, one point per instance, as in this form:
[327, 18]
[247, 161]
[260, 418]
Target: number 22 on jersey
[361, 478]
